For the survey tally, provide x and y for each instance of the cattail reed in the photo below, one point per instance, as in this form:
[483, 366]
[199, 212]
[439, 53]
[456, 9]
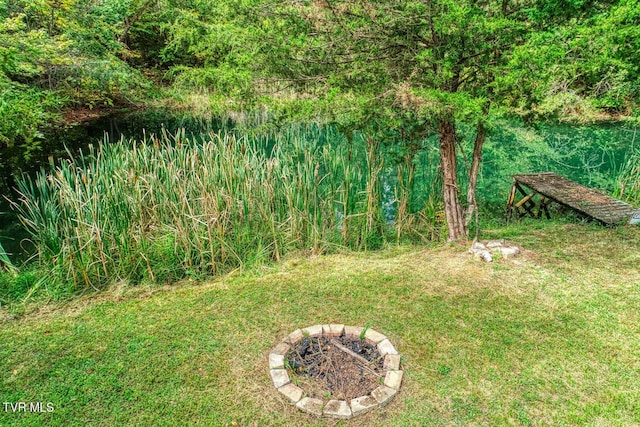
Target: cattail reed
[173, 205]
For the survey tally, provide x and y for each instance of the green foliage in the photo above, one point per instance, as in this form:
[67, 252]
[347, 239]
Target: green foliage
[592, 155]
[22, 112]
[72, 49]
[438, 59]
[393, 71]
[23, 107]
[224, 79]
[580, 70]
[14, 286]
[55, 56]
[386, 192]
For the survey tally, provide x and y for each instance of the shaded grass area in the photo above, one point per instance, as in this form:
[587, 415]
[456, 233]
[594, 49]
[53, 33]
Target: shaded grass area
[550, 338]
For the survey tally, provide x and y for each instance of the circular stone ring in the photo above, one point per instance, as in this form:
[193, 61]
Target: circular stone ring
[341, 409]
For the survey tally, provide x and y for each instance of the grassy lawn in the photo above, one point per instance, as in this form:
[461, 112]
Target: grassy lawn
[549, 338]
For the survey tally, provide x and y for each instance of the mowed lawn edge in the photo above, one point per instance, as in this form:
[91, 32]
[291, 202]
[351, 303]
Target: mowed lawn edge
[548, 338]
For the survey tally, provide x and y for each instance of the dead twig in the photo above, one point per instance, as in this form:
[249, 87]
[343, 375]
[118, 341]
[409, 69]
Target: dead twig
[361, 359]
[349, 352]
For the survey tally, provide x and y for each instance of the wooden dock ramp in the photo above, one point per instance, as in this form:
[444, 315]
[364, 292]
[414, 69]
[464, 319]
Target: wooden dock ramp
[547, 187]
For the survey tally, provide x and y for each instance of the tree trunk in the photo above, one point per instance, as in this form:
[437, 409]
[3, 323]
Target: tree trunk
[452, 206]
[472, 205]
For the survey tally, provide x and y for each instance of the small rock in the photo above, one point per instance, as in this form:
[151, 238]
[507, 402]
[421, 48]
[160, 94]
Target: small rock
[294, 336]
[313, 331]
[332, 330]
[494, 243]
[374, 337]
[477, 246]
[480, 251]
[281, 348]
[393, 379]
[276, 361]
[483, 255]
[509, 251]
[385, 347]
[391, 362]
[353, 331]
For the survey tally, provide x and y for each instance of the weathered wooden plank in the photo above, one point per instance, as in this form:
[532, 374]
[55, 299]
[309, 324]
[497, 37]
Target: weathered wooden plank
[588, 201]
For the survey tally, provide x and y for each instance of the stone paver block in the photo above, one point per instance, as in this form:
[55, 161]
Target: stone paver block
[276, 361]
[313, 331]
[280, 377]
[391, 362]
[362, 404]
[332, 330]
[294, 336]
[393, 379]
[383, 394]
[354, 331]
[385, 347]
[337, 409]
[311, 406]
[374, 337]
[281, 348]
[292, 392]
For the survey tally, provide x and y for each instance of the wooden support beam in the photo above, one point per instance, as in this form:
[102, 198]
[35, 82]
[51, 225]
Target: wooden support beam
[524, 200]
[526, 206]
[542, 207]
[510, 200]
[520, 189]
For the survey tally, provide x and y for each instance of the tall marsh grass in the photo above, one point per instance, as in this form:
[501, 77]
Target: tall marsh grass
[173, 206]
[628, 180]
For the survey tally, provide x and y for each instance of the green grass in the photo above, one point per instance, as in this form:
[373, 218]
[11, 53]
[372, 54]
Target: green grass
[549, 338]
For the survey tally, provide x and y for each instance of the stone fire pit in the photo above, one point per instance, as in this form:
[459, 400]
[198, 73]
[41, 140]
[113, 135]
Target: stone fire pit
[307, 355]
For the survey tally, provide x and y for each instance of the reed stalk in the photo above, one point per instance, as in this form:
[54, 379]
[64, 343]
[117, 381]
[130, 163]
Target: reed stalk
[174, 205]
